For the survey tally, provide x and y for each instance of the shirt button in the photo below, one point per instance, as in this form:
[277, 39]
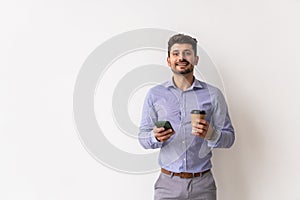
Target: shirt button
[183, 142]
[184, 159]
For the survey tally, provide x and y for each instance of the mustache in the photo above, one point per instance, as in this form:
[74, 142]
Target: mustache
[183, 60]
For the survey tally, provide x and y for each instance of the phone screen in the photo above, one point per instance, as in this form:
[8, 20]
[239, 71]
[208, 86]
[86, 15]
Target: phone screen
[166, 124]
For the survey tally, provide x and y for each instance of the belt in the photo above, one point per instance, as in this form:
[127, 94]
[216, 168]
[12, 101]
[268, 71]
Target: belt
[184, 174]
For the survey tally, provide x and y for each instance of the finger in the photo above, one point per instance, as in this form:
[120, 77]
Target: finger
[198, 134]
[160, 134]
[158, 130]
[165, 137]
[167, 131]
[203, 121]
[204, 128]
[199, 131]
[199, 126]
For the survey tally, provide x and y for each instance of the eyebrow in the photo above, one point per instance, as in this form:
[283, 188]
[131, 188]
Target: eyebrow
[176, 50]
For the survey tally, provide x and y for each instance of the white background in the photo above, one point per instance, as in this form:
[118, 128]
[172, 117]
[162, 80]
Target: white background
[254, 44]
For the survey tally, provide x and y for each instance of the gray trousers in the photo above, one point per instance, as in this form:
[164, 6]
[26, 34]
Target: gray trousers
[174, 187]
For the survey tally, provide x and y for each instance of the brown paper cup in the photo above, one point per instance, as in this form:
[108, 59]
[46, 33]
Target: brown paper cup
[197, 114]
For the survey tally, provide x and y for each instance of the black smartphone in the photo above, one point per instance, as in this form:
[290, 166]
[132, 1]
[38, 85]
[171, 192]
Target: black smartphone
[166, 124]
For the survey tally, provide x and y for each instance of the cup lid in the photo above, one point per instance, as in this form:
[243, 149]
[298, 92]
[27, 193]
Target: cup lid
[202, 112]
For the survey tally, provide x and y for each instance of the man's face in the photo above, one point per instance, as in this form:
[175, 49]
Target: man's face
[182, 59]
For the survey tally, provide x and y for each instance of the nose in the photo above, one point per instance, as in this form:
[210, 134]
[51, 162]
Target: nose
[181, 56]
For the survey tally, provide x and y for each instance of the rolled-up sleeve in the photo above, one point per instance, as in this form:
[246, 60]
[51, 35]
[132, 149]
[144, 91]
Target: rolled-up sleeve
[149, 117]
[221, 122]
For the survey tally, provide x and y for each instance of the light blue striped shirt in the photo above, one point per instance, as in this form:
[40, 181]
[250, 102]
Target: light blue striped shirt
[184, 152]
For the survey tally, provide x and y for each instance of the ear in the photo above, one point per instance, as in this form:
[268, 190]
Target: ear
[196, 60]
[168, 61]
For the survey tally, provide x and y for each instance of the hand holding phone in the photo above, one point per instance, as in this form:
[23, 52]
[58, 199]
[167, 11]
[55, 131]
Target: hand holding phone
[164, 134]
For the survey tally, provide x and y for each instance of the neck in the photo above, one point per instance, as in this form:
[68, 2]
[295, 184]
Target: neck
[183, 82]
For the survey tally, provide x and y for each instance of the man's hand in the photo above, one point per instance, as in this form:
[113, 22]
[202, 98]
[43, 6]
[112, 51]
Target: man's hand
[202, 129]
[161, 134]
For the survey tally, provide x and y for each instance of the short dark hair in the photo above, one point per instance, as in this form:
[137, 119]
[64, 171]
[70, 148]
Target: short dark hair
[182, 39]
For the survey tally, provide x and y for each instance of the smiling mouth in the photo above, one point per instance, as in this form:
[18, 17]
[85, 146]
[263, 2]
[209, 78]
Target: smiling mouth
[182, 64]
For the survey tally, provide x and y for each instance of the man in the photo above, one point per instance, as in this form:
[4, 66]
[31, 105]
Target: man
[185, 150]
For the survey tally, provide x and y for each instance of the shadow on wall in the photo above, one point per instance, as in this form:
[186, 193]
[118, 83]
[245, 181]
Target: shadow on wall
[232, 167]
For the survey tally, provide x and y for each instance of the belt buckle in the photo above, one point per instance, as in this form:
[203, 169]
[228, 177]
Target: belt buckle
[186, 175]
[181, 175]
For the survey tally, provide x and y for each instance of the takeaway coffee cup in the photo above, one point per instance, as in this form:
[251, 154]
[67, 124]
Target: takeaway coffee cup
[197, 114]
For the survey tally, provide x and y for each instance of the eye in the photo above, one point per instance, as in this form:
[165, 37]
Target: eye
[187, 53]
[175, 53]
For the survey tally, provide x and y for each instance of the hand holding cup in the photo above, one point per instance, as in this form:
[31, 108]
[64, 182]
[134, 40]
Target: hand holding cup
[200, 127]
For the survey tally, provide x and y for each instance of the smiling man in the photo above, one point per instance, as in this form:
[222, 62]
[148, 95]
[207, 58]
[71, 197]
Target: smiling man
[185, 148]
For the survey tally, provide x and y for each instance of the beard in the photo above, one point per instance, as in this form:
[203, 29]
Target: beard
[186, 71]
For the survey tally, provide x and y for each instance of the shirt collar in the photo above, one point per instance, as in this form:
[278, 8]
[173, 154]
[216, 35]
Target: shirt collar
[196, 84]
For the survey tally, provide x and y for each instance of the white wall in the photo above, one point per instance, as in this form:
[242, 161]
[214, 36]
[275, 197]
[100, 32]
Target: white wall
[254, 44]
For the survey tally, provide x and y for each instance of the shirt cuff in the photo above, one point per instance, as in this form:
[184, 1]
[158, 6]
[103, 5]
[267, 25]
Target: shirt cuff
[153, 139]
[214, 138]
